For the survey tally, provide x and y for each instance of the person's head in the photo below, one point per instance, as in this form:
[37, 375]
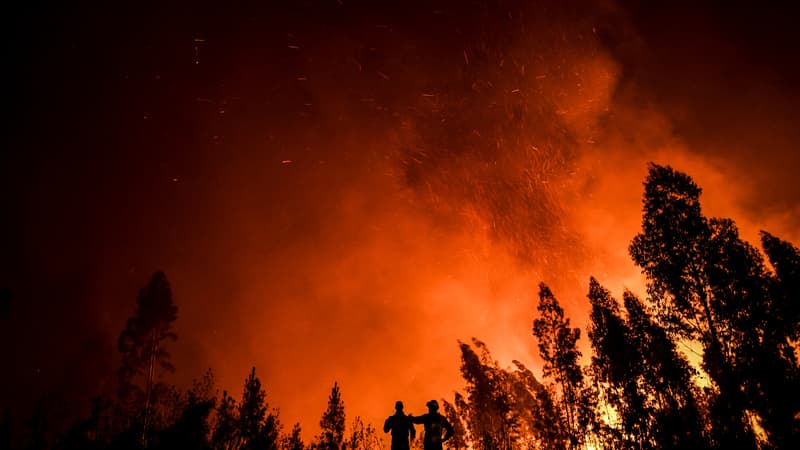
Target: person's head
[398, 405]
[433, 406]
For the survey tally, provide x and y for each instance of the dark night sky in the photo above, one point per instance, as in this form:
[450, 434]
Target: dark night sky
[147, 137]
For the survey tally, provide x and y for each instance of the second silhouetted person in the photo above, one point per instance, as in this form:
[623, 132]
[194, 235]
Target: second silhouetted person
[437, 428]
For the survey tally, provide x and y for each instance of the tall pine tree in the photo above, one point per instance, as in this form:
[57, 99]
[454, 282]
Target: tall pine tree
[225, 435]
[672, 251]
[252, 410]
[143, 349]
[294, 441]
[763, 358]
[332, 422]
[257, 429]
[557, 343]
[711, 286]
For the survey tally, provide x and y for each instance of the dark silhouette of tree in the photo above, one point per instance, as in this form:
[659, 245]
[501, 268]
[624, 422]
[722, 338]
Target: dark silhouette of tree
[537, 414]
[672, 251]
[763, 357]
[782, 378]
[372, 439]
[766, 356]
[503, 408]
[617, 368]
[362, 437]
[5, 430]
[670, 402]
[557, 343]
[785, 260]
[101, 422]
[92, 432]
[357, 439]
[294, 441]
[141, 345]
[645, 379]
[332, 423]
[225, 433]
[709, 285]
[167, 407]
[252, 410]
[491, 421]
[257, 429]
[191, 430]
[270, 436]
[459, 439]
[462, 409]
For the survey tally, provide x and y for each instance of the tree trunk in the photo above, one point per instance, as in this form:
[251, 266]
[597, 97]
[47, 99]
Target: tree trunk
[149, 387]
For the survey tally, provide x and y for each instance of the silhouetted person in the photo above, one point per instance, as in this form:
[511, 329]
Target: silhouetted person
[435, 425]
[401, 426]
